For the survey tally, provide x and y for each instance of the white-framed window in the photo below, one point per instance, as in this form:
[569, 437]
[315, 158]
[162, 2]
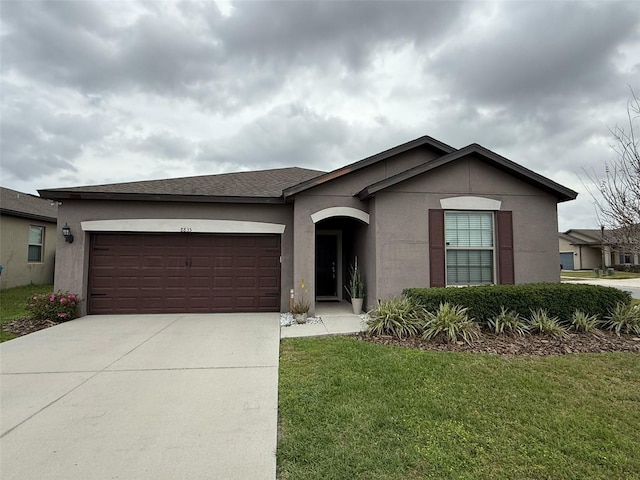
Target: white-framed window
[470, 253]
[36, 243]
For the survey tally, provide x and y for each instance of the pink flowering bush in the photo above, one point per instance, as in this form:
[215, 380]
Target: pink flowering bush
[57, 307]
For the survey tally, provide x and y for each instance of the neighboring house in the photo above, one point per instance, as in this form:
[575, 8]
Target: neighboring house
[582, 249]
[27, 239]
[420, 214]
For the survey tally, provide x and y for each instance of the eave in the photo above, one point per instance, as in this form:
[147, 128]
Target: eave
[33, 216]
[61, 195]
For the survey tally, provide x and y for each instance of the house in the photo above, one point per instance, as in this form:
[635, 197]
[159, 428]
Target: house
[420, 214]
[584, 249]
[27, 239]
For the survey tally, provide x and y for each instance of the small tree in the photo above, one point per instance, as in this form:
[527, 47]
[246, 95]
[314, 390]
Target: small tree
[618, 205]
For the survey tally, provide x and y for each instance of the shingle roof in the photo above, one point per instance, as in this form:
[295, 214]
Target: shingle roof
[259, 184]
[594, 236]
[21, 204]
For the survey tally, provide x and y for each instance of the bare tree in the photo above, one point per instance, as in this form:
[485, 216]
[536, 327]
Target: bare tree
[618, 202]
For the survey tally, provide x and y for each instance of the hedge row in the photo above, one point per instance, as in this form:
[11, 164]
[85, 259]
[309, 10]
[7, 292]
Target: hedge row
[627, 268]
[559, 299]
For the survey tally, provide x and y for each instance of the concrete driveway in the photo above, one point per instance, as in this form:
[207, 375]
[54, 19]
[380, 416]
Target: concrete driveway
[631, 285]
[142, 397]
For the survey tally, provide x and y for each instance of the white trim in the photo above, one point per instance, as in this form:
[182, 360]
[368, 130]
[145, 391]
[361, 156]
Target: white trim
[180, 225]
[493, 249]
[340, 212]
[470, 203]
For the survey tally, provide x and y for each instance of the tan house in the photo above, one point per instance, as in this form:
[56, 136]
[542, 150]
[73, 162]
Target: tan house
[27, 239]
[584, 249]
[420, 214]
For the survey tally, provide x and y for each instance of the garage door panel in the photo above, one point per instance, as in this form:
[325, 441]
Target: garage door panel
[247, 261]
[269, 262]
[200, 283]
[154, 273]
[268, 282]
[247, 282]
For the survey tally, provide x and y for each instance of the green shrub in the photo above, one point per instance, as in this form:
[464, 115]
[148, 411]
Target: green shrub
[450, 323]
[627, 268]
[399, 317]
[57, 307]
[508, 321]
[581, 322]
[624, 319]
[559, 299]
[541, 322]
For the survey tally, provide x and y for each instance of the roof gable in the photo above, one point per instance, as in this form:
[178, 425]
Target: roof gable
[20, 204]
[560, 192]
[419, 142]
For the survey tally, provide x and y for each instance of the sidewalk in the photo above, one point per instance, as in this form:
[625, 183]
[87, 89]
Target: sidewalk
[605, 282]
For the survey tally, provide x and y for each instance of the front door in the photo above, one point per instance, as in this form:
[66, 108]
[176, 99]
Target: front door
[328, 265]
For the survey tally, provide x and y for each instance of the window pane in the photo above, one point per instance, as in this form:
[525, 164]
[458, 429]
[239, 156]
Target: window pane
[466, 267]
[35, 253]
[35, 235]
[469, 229]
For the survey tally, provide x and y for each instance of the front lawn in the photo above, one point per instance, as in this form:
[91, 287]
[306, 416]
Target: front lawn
[356, 410]
[13, 304]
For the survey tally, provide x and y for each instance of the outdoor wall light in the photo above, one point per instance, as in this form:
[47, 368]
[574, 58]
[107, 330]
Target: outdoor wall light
[66, 233]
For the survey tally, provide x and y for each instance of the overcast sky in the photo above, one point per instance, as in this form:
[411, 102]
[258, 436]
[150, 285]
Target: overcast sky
[114, 91]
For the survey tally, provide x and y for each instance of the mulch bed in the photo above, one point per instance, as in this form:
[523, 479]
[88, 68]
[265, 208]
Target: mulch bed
[23, 326]
[522, 345]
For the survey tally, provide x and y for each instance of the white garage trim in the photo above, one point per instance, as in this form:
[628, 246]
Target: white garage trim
[188, 225]
[340, 212]
[470, 203]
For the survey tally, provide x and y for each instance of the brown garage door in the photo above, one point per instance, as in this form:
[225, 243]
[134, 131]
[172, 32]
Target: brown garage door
[175, 273]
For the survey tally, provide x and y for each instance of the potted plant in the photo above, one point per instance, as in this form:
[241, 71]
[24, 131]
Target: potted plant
[355, 288]
[301, 306]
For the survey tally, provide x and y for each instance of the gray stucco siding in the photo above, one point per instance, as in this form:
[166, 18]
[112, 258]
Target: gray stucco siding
[352, 183]
[72, 261]
[402, 231]
[535, 241]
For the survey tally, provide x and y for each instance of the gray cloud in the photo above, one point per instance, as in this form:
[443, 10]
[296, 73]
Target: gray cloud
[40, 139]
[319, 33]
[550, 53]
[165, 145]
[289, 135]
[94, 94]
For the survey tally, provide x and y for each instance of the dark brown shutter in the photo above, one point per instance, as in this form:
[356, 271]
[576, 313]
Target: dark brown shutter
[436, 248]
[505, 248]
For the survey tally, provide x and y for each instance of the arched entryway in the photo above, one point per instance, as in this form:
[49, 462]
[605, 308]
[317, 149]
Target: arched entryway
[339, 240]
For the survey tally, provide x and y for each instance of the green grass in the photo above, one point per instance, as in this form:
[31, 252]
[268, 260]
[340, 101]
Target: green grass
[13, 303]
[354, 410]
[589, 274]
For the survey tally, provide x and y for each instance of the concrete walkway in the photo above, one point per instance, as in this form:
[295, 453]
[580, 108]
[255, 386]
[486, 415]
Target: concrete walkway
[142, 397]
[337, 318]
